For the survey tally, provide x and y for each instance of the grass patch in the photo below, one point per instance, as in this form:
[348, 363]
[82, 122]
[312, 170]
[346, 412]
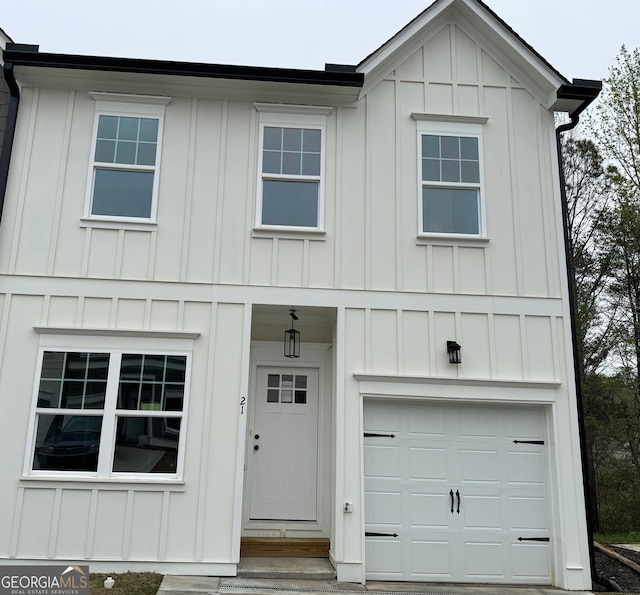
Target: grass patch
[128, 583]
[628, 537]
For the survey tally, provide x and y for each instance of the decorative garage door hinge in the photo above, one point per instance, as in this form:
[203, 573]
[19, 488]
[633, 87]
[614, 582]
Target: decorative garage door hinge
[370, 435]
[533, 539]
[369, 534]
[528, 441]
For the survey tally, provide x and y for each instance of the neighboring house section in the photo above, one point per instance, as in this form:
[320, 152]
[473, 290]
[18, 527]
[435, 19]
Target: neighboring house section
[4, 92]
[165, 223]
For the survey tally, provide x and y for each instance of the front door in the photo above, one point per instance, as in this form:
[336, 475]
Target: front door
[284, 445]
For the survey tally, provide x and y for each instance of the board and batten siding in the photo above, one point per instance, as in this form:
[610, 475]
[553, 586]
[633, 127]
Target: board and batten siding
[206, 205]
[122, 521]
[394, 299]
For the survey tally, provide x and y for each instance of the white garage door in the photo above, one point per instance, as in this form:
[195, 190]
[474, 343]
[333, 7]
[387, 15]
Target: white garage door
[455, 493]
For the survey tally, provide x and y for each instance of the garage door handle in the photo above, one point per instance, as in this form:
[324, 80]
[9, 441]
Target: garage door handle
[451, 494]
[533, 539]
[458, 494]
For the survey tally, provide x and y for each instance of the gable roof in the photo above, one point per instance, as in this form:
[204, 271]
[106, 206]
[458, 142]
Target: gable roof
[534, 66]
[341, 82]
[489, 11]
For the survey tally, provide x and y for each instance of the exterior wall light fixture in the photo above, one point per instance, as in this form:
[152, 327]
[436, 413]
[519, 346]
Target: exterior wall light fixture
[292, 338]
[453, 349]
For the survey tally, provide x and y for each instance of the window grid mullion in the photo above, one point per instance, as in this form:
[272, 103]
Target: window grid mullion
[123, 166]
[108, 434]
[295, 177]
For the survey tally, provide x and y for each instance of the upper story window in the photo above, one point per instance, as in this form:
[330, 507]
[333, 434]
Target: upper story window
[110, 412]
[123, 180]
[451, 178]
[291, 167]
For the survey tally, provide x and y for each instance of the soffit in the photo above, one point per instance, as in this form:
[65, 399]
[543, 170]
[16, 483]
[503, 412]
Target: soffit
[191, 86]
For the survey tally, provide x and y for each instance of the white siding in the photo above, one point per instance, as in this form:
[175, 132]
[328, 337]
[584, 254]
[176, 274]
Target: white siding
[207, 190]
[397, 299]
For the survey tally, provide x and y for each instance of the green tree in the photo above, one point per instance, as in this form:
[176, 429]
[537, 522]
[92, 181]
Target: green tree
[614, 402]
[618, 137]
[588, 193]
[589, 196]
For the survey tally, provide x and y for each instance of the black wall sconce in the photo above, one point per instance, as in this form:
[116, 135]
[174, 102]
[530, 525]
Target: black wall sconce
[453, 349]
[292, 338]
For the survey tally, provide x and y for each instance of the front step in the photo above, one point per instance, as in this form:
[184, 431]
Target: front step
[315, 569]
[284, 547]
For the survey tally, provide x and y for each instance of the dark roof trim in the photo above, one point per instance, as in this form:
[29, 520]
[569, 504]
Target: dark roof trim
[331, 76]
[10, 129]
[521, 40]
[581, 91]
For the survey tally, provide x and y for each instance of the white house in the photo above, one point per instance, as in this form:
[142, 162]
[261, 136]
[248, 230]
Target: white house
[165, 223]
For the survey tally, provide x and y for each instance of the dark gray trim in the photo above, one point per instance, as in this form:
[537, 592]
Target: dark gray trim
[10, 129]
[584, 91]
[333, 75]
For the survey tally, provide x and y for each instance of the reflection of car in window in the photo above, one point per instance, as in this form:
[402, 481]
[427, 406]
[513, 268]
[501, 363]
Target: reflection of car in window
[74, 447]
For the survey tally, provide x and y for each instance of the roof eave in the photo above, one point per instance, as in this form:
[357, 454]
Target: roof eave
[573, 98]
[332, 76]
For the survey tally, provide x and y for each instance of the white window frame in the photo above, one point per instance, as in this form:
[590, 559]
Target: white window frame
[115, 347]
[133, 106]
[469, 127]
[292, 116]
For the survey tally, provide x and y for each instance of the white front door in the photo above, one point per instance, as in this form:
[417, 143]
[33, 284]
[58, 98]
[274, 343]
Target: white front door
[455, 493]
[284, 445]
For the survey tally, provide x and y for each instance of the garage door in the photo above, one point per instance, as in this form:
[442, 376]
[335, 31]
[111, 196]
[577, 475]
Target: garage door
[455, 493]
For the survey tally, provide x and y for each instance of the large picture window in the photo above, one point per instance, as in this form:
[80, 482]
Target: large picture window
[291, 168]
[123, 181]
[109, 412]
[450, 173]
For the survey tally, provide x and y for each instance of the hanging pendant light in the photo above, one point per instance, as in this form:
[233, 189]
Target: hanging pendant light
[292, 338]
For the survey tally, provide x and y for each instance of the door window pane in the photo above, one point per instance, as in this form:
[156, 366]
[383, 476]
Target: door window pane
[287, 388]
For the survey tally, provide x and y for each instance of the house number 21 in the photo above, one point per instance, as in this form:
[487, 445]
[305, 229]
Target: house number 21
[243, 400]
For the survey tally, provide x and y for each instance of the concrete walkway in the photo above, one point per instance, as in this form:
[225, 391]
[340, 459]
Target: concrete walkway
[288, 576]
[184, 585]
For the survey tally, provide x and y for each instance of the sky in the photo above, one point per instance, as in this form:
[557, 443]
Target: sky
[580, 38]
